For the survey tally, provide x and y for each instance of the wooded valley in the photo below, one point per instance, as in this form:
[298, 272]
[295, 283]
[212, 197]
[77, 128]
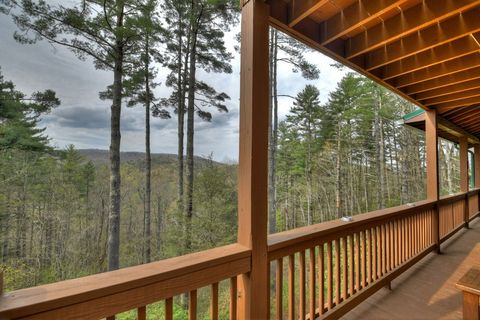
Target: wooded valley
[66, 213]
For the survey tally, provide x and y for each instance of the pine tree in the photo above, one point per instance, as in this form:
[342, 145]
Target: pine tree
[105, 32]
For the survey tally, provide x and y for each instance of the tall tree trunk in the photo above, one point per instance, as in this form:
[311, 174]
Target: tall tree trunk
[273, 133]
[190, 142]
[114, 216]
[338, 181]
[181, 114]
[148, 159]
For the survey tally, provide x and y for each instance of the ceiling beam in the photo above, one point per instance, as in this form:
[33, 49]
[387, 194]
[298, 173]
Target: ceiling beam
[446, 31]
[301, 9]
[452, 97]
[446, 82]
[459, 113]
[439, 70]
[354, 17]
[469, 119]
[443, 107]
[446, 52]
[425, 14]
[448, 124]
[448, 90]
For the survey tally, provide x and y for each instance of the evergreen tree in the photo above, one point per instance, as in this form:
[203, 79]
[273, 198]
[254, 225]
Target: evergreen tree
[105, 32]
[19, 117]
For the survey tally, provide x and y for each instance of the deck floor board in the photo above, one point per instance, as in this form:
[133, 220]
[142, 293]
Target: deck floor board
[427, 290]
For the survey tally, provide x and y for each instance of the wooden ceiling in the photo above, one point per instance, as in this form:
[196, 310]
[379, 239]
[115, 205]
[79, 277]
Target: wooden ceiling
[427, 51]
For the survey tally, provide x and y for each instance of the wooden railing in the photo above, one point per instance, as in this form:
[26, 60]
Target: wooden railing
[326, 270]
[108, 294]
[321, 271]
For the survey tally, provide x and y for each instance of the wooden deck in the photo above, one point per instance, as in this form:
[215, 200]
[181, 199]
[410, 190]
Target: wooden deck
[427, 290]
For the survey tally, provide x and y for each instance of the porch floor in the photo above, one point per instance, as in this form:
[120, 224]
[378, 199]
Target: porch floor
[427, 290]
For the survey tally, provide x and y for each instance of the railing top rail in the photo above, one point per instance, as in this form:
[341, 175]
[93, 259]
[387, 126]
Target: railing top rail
[56, 295]
[289, 238]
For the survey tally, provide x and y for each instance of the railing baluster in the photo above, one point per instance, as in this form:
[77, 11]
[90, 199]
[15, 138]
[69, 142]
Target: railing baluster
[169, 309]
[142, 313]
[378, 232]
[302, 286]
[384, 249]
[364, 259]
[233, 298]
[337, 272]
[192, 305]
[279, 289]
[312, 283]
[373, 239]
[291, 287]
[321, 279]
[357, 259]
[368, 252]
[351, 264]
[214, 302]
[343, 260]
[329, 275]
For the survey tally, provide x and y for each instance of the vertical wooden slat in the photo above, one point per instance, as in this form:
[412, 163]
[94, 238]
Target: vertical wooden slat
[343, 260]
[169, 309]
[387, 241]
[363, 259]
[379, 251]
[291, 287]
[302, 303]
[329, 275]
[352, 264]
[374, 253]
[253, 158]
[233, 298]
[321, 279]
[312, 289]
[214, 302]
[356, 240]
[142, 313]
[436, 227]
[369, 256]
[384, 249]
[337, 272]
[192, 305]
[279, 289]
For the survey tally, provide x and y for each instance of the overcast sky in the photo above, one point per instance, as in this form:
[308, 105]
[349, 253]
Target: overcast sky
[83, 119]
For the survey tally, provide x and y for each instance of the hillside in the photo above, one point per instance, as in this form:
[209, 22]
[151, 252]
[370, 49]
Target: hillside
[100, 157]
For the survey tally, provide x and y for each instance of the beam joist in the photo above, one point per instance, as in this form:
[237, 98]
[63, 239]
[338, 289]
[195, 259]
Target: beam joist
[444, 32]
[354, 17]
[423, 15]
[458, 88]
[445, 68]
[301, 9]
[446, 52]
[452, 97]
[460, 80]
[444, 107]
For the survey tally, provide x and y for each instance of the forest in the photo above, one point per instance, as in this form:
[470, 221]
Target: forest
[66, 213]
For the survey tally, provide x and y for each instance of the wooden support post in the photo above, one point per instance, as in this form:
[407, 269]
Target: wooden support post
[477, 165]
[433, 189]
[253, 158]
[464, 176]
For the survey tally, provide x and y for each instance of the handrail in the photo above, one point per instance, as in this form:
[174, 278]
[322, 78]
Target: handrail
[383, 231]
[291, 238]
[110, 293]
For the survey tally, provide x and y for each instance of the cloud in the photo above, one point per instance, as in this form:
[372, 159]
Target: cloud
[84, 120]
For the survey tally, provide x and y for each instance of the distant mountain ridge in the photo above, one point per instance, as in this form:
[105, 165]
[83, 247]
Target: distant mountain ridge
[99, 156]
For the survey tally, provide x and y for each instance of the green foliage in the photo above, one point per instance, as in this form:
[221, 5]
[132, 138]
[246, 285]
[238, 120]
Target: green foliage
[19, 117]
